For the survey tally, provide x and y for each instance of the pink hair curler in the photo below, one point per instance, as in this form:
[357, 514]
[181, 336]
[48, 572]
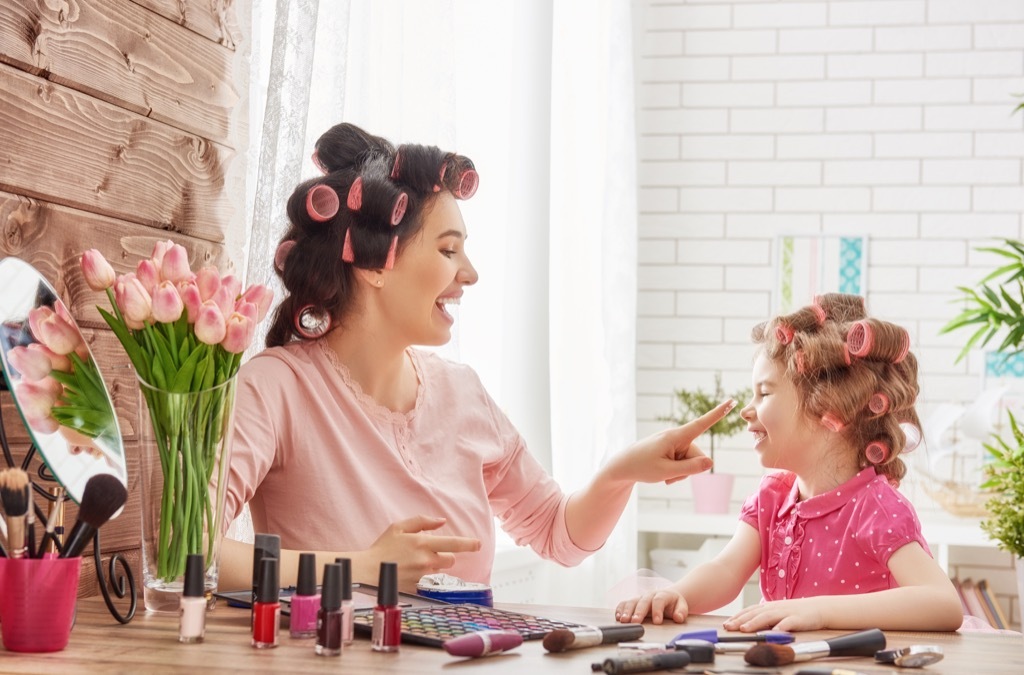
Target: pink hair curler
[878, 403]
[860, 339]
[396, 167]
[392, 250]
[819, 311]
[281, 254]
[832, 423]
[846, 354]
[355, 195]
[469, 181]
[310, 323]
[912, 434]
[347, 254]
[320, 165]
[398, 211]
[876, 452]
[784, 334]
[800, 367]
[322, 203]
[442, 172]
[903, 349]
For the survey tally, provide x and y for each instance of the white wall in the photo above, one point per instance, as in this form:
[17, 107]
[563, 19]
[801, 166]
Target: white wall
[889, 118]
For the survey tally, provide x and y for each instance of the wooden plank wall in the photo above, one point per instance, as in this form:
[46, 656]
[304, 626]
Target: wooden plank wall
[122, 123]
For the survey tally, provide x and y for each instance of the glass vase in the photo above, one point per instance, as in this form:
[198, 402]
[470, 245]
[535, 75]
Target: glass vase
[185, 445]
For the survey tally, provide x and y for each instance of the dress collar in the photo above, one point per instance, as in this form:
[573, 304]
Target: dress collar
[827, 502]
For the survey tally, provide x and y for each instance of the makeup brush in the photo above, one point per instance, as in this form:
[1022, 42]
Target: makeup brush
[103, 495]
[55, 519]
[563, 639]
[861, 643]
[14, 494]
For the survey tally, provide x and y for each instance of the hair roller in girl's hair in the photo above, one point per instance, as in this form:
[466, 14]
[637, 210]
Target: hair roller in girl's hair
[469, 181]
[783, 334]
[832, 422]
[878, 341]
[322, 203]
[876, 452]
[878, 403]
[819, 312]
[355, 195]
[281, 254]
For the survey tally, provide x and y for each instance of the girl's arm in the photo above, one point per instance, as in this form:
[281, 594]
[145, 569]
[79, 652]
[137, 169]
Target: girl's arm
[706, 588]
[925, 600]
[592, 512]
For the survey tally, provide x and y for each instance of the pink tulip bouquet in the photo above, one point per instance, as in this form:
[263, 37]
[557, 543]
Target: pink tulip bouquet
[184, 333]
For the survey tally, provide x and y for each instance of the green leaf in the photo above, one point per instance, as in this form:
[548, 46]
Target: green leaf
[970, 343]
[992, 296]
[1000, 271]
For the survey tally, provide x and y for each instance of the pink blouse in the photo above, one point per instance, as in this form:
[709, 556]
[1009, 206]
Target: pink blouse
[837, 543]
[324, 466]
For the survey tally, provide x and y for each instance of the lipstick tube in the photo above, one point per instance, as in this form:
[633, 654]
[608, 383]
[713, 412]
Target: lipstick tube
[387, 615]
[329, 619]
[305, 603]
[266, 611]
[192, 619]
[483, 643]
[347, 606]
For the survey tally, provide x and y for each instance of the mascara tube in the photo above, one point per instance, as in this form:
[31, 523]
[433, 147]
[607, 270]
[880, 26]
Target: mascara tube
[647, 663]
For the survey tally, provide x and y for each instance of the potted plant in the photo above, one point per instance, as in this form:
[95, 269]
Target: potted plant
[711, 491]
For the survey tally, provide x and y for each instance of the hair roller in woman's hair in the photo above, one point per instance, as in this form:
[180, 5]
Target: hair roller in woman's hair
[469, 181]
[831, 422]
[322, 203]
[355, 195]
[392, 250]
[319, 165]
[819, 313]
[879, 403]
[281, 254]
[783, 334]
[876, 452]
[347, 254]
[440, 176]
[398, 210]
[396, 168]
[311, 322]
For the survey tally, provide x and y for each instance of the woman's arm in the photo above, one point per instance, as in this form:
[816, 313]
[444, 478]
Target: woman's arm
[592, 512]
[405, 542]
[925, 600]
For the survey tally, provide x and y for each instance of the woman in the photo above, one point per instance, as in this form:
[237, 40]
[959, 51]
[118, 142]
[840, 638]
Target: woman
[350, 442]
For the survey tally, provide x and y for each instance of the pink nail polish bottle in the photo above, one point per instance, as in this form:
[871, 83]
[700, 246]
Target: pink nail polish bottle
[192, 624]
[347, 606]
[305, 603]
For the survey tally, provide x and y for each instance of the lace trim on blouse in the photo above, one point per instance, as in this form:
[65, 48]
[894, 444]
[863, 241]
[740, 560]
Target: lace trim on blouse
[403, 419]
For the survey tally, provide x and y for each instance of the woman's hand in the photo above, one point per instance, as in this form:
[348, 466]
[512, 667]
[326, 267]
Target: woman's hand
[417, 553]
[666, 602]
[788, 615]
[669, 455]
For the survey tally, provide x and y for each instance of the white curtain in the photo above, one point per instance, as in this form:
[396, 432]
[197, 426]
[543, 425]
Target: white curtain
[547, 116]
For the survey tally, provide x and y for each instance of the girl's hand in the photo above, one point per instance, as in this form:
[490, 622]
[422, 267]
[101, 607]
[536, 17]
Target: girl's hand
[787, 615]
[669, 455]
[417, 553]
[659, 604]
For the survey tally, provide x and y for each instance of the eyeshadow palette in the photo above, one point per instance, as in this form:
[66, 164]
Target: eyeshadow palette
[435, 624]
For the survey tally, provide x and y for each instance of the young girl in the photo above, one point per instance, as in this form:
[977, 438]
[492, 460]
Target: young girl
[837, 545]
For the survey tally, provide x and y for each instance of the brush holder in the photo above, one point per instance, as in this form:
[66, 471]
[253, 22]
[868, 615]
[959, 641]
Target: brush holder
[37, 602]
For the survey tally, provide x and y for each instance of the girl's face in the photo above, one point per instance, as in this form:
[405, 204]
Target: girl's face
[429, 276]
[783, 436]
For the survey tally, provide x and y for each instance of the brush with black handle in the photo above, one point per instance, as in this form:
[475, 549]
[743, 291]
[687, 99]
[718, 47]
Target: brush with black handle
[861, 643]
[14, 494]
[103, 495]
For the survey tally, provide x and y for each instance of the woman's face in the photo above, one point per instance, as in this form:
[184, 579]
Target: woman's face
[429, 275]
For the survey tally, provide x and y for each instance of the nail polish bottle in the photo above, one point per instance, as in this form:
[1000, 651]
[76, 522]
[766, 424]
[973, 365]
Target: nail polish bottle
[264, 546]
[192, 623]
[347, 606]
[329, 618]
[266, 611]
[387, 615]
[306, 601]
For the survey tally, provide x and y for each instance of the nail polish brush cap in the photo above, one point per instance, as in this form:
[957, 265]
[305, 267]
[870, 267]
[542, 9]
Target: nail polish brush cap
[264, 546]
[346, 577]
[387, 586]
[269, 589]
[330, 592]
[194, 576]
[307, 574]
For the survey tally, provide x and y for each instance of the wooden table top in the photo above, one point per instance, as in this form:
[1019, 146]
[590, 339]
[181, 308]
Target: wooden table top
[149, 644]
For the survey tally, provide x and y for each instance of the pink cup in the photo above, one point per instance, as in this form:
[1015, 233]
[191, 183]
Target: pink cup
[37, 602]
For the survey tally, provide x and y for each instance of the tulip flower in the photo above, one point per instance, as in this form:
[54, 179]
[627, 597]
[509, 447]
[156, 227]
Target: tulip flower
[167, 304]
[233, 284]
[33, 365]
[261, 296]
[208, 281]
[248, 310]
[97, 271]
[159, 250]
[57, 361]
[210, 324]
[148, 275]
[135, 303]
[225, 300]
[238, 334]
[53, 331]
[191, 298]
[36, 401]
[174, 266]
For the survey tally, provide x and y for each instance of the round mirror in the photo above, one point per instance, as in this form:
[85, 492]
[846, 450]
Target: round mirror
[55, 382]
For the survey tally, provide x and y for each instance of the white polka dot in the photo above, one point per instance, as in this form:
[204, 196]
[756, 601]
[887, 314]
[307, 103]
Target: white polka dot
[826, 527]
[889, 530]
[856, 564]
[856, 585]
[836, 541]
[782, 573]
[842, 581]
[815, 583]
[854, 499]
[839, 494]
[788, 540]
[819, 554]
[829, 569]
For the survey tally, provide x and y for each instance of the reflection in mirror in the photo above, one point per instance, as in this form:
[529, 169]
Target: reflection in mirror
[55, 382]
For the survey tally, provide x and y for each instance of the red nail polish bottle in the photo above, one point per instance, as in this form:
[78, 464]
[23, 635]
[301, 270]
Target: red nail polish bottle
[267, 608]
[387, 615]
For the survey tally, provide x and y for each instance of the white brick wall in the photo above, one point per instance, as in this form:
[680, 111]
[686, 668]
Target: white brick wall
[886, 118]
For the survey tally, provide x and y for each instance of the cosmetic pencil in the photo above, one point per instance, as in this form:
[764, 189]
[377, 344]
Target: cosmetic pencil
[861, 643]
[778, 637]
[563, 639]
[829, 671]
[648, 663]
[14, 494]
[103, 495]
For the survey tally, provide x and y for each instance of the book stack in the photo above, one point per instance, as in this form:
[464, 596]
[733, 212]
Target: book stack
[977, 601]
